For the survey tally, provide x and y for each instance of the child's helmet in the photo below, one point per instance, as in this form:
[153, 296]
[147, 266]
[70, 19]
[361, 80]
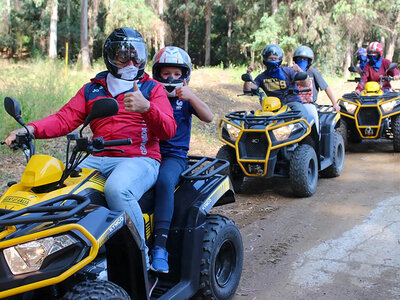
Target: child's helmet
[375, 48]
[272, 50]
[304, 51]
[172, 56]
[123, 45]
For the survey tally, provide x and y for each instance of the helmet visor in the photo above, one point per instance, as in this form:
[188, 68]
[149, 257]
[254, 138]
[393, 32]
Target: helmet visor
[120, 54]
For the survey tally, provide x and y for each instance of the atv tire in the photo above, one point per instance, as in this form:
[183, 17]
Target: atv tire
[236, 174]
[395, 124]
[342, 130]
[336, 168]
[222, 260]
[97, 290]
[303, 172]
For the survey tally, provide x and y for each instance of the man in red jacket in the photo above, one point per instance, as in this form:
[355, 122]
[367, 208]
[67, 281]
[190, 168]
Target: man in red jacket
[145, 115]
[376, 67]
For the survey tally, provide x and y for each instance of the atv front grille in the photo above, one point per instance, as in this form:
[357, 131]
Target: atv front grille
[253, 145]
[368, 116]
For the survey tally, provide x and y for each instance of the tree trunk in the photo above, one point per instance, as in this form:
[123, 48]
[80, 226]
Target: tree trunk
[162, 29]
[383, 41]
[390, 45]
[53, 30]
[84, 35]
[348, 55]
[229, 34]
[187, 23]
[92, 18]
[392, 38]
[69, 21]
[208, 33]
[361, 41]
[291, 24]
[9, 16]
[274, 7]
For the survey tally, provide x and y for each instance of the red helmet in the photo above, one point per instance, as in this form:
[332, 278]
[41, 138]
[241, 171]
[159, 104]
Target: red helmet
[375, 48]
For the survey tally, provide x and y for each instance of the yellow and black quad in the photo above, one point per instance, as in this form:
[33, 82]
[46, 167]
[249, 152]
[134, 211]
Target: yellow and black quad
[371, 115]
[58, 239]
[277, 142]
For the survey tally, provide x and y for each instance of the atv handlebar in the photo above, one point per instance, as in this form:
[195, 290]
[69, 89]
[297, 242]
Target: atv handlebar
[99, 143]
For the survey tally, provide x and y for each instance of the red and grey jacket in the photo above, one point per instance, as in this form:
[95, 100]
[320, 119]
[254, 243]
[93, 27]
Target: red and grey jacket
[371, 75]
[145, 129]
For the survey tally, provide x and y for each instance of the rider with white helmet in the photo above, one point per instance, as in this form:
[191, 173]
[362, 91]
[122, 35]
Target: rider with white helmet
[172, 67]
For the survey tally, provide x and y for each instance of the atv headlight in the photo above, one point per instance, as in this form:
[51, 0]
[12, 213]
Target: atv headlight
[389, 106]
[283, 133]
[28, 257]
[350, 108]
[233, 131]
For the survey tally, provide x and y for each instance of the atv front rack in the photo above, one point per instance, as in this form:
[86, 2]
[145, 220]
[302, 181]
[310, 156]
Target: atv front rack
[201, 167]
[57, 212]
[251, 119]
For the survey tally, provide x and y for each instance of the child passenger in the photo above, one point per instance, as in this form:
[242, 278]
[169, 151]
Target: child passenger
[172, 67]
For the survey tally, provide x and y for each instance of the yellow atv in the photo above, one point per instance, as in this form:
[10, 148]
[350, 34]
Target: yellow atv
[59, 240]
[373, 114]
[278, 142]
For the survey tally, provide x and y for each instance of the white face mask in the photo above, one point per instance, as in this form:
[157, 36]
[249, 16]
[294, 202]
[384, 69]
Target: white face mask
[128, 72]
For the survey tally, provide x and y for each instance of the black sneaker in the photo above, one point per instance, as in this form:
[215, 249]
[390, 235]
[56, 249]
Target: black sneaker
[153, 280]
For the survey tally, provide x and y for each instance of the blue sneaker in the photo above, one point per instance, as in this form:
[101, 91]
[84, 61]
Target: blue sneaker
[160, 260]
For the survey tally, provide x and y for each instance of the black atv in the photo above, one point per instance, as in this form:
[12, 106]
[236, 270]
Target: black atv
[278, 142]
[371, 115]
[58, 239]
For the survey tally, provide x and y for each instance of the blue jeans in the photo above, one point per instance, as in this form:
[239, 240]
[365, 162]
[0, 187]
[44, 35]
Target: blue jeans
[170, 171]
[128, 178]
[300, 107]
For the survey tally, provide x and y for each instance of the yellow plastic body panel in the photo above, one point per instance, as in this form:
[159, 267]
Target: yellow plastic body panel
[271, 104]
[41, 170]
[271, 113]
[19, 196]
[372, 88]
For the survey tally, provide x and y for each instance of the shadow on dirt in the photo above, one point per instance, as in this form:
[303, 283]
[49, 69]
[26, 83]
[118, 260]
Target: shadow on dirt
[375, 146]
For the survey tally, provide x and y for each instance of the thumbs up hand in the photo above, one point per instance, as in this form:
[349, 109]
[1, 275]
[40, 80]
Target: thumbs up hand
[135, 101]
[183, 92]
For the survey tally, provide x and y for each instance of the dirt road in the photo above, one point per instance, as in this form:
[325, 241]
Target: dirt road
[341, 243]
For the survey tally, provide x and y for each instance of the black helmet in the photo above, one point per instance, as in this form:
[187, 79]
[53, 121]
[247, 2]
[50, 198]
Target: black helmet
[272, 50]
[123, 45]
[304, 51]
[172, 56]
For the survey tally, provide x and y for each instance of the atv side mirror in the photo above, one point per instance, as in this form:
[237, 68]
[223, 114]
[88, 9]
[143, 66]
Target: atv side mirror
[300, 76]
[102, 108]
[353, 69]
[13, 108]
[391, 67]
[247, 77]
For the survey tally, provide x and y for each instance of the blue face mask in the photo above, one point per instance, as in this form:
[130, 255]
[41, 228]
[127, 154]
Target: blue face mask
[274, 70]
[362, 58]
[375, 62]
[302, 63]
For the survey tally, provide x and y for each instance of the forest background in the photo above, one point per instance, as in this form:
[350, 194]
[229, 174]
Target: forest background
[221, 32]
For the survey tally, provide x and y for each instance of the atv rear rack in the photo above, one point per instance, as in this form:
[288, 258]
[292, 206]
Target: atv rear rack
[10, 217]
[201, 167]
